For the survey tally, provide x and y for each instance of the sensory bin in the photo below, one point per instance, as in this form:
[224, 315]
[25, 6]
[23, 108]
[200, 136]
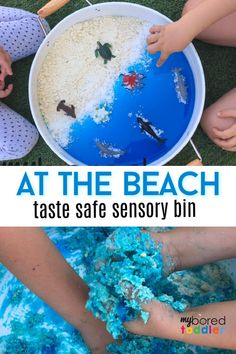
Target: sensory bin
[120, 267]
[97, 110]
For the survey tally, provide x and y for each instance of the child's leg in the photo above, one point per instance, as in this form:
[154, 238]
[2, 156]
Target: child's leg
[20, 32]
[11, 14]
[222, 32]
[17, 135]
[32, 258]
[20, 35]
[210, 120]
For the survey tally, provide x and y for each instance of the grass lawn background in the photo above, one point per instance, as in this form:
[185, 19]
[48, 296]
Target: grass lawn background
[219, 65]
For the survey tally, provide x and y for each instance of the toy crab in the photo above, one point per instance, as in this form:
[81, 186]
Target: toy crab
[133, 80]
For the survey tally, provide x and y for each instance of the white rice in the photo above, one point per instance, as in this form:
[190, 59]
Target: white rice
[71, 72]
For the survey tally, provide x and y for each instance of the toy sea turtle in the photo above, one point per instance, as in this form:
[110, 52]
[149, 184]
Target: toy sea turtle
[104, 51]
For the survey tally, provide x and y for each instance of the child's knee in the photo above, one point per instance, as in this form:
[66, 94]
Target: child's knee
[23, 37]
[233, 93]
[208, 122]
[190, 5]
[17, 135]
[211, 121]
[210, 118]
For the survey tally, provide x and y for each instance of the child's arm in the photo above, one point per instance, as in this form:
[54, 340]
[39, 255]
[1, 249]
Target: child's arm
[32, 258]
[5, 70]
[166, 323]
[176, 36]
[189, 247]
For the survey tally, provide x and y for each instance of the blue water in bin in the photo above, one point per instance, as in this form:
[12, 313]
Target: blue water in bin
[156, 101]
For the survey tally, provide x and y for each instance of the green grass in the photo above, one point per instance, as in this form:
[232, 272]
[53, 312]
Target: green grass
[219, 66]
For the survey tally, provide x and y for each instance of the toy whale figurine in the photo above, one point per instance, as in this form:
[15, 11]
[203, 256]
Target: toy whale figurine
[147, 127]
[180, 85]
[108, 150]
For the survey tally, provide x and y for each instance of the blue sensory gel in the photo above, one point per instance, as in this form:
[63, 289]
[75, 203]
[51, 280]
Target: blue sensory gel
[111, 261]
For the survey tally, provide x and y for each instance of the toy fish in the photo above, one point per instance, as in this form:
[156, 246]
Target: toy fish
[69, 110]
[108, 150]
[180, 85]
[147, 127]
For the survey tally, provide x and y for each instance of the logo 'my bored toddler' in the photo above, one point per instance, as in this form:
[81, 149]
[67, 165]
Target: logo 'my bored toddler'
[202, 325]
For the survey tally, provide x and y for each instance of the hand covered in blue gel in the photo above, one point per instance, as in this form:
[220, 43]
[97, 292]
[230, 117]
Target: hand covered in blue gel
[127, 271]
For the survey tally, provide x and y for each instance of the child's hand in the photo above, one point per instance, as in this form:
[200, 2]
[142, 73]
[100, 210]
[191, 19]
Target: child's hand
[163, 322]
[5, 92]
[5, 64]
[226, 139]
[5, 70]
[168, 39]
